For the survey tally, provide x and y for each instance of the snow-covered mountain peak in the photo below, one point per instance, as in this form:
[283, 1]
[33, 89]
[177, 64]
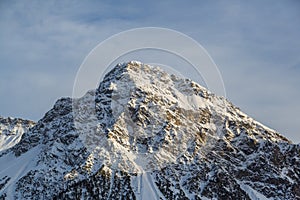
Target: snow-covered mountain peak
[147, 113]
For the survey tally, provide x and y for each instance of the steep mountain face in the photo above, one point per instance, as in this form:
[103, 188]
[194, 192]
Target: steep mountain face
[11, 131]
[145, 134]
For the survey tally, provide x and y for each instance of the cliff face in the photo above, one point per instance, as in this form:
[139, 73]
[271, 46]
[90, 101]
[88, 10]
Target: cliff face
[145, 134]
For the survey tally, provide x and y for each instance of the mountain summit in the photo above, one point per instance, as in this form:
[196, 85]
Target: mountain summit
[146, 134]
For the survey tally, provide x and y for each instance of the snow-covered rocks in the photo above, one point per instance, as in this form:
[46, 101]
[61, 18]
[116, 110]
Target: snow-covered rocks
[11, 131]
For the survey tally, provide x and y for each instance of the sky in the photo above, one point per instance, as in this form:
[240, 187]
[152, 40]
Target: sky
[255, 45]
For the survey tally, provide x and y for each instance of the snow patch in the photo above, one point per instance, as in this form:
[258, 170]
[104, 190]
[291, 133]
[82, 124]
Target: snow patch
[253, 194]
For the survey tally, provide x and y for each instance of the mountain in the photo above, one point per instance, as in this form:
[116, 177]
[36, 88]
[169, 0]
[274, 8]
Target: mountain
[146, 134]
[11, 131]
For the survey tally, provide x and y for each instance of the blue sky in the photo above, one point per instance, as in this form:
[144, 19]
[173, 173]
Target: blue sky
[255, 45]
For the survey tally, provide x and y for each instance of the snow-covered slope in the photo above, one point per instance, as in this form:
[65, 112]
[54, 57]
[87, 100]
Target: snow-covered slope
[11, 131]
[146, 134]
